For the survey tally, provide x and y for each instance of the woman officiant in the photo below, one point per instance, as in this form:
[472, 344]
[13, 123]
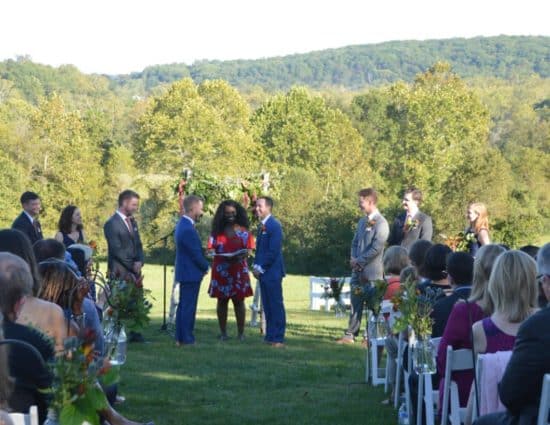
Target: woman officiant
[230, 244]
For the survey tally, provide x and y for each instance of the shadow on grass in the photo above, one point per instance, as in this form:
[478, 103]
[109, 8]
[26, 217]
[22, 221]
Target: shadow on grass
[311, 381]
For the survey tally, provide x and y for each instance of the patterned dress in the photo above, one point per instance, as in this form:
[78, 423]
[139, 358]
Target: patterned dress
[230, 279]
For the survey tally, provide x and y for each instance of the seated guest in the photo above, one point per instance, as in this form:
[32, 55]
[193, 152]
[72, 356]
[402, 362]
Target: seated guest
[50, 248]
[417, 255]
[395, 260]
[27, 367]
[532, 251]
[521, 385]
[458, 331]
[44, 315]
[436, 285]
[6, 383]
[70, 227]
[460, 267]
[82, 256]
[62, 286]
[513, 292]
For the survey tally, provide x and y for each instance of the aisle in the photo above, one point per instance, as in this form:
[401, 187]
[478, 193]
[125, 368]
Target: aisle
[312, 381]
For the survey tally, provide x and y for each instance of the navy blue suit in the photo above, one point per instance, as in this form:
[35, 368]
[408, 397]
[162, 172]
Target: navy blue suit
[191, 266]
[269, 257]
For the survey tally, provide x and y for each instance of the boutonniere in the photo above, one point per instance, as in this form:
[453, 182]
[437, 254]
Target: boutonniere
[370, 225]
[264, 229]
[411, 224]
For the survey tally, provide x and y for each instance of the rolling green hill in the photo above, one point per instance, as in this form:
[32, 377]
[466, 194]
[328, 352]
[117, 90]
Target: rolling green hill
[356, 66]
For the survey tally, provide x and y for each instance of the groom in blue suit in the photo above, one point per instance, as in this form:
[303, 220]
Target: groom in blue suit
[191, 266]
[269, 268]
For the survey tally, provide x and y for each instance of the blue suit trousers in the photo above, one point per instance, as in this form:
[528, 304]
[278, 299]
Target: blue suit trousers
[271, 291]
[187, 311]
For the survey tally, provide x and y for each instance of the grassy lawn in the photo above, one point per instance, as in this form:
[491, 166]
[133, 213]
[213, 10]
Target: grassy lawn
[312, 381]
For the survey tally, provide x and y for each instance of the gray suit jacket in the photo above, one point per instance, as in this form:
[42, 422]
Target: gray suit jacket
[424, 230]
[368, 247]
[124, 248]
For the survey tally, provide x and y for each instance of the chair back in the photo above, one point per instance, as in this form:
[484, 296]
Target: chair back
[25, 419]
[544, 406]
[457, 360]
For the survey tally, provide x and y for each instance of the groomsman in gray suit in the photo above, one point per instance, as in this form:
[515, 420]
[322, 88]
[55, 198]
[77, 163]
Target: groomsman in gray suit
[412, 224]
[367, 250]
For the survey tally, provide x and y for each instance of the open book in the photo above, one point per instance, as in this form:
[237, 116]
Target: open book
[232, 254]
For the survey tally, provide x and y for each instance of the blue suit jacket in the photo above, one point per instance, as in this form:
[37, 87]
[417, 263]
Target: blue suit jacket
[269, 250]
[191, 265]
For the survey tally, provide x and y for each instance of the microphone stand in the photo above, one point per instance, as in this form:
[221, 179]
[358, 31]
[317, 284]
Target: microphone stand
[164, 239]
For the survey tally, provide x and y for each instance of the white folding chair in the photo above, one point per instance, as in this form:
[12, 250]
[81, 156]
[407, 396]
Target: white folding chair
[426, 394]
[544, 406]
[401, 344]
[316, 293]
[30, 418]
[377, 375]
[457, 360]
[406, 375]
[479, 371]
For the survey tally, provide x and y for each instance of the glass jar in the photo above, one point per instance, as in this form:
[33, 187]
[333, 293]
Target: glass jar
[116, 343]
[424, 355]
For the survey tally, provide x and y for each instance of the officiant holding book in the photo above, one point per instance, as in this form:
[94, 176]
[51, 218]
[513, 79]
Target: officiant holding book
[229, 245]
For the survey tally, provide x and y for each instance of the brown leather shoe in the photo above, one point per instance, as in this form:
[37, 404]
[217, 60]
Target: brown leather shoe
[345, 341]
[278, 345]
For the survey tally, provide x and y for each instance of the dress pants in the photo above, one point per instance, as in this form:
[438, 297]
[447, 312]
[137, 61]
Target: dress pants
[186, 312]
[357, 305]
[271, 291]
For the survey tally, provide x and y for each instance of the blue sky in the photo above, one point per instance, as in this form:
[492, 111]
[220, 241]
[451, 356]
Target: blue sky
[120, 36]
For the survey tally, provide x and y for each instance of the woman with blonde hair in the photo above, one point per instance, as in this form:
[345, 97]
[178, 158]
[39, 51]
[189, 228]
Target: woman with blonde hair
[458, 331]
[478, 218]
[513, 291]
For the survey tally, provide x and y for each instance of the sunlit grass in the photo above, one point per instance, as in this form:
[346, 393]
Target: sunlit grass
[312, 381]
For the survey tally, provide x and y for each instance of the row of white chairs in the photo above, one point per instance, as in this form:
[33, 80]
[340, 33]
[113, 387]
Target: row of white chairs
[428, 398]
[317, 293]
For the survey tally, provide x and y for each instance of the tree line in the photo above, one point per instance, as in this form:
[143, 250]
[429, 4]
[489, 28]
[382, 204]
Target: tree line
[355, 67]
[77, 139]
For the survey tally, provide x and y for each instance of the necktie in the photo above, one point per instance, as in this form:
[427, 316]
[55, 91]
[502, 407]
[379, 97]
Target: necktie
[37, 226]
[129, 224]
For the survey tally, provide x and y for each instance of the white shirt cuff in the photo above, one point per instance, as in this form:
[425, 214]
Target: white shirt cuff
[259, 269]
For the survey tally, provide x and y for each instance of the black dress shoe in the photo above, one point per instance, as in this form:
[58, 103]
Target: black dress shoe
[135, 337]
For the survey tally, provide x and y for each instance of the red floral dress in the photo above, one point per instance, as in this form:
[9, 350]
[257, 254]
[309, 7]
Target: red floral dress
[230, 279]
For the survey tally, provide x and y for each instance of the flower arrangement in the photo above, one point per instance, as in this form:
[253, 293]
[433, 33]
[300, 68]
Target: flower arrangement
[128, 301]
[415, 309]
[372, 294]
[76, 395]
[461, 241]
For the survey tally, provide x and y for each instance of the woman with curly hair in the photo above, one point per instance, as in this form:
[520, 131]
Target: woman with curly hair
[230, 275]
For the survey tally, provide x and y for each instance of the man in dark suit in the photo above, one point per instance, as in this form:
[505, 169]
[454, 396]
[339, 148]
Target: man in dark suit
[460, 269]
[269, 268]
[191, 266]
[413, 224]
[367, 251]
[521, 386]
[125, 250]
[27, 222]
